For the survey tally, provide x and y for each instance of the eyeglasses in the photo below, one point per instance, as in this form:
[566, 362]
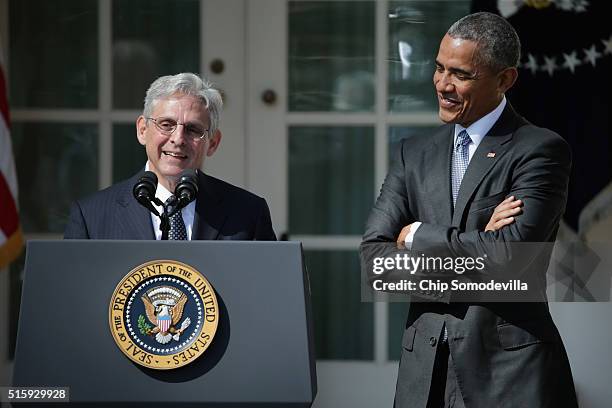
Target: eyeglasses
[167, 126]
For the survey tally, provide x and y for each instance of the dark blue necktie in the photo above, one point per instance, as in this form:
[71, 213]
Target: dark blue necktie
[177, 227]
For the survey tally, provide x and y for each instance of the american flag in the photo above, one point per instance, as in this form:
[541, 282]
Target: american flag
[11, 238]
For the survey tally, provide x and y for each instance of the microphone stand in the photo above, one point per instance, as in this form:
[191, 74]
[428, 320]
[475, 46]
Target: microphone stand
[166, 214]
[144, 192]
[164, 217]
[165, 224]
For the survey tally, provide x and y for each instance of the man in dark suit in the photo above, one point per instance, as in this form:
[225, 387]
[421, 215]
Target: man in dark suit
[485, 181]
[179, 127]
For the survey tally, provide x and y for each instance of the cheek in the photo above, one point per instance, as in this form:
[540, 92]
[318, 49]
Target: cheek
[199, 154]
[465, 96]
[436, 80]
[153, 147]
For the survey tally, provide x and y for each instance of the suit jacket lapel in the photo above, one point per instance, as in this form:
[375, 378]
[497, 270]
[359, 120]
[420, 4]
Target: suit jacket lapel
[494, 142]
[134, 219]
[438, 159]
[209, 214]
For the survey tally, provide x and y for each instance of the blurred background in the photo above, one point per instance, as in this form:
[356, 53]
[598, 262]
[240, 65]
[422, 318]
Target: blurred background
[317, 94]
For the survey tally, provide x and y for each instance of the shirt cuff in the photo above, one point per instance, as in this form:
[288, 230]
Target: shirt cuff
[413, 229]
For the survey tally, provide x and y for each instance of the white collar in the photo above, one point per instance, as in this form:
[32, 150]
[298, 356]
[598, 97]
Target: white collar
[479, 129]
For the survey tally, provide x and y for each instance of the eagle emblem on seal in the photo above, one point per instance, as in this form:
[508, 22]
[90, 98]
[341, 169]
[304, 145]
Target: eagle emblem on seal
[164, 309]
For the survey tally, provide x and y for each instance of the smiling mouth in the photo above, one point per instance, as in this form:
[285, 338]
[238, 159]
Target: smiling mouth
[447, 102]
[174, 155]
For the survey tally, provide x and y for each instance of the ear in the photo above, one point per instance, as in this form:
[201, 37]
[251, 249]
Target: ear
[507, 78]
[213, 143]
[141, 127]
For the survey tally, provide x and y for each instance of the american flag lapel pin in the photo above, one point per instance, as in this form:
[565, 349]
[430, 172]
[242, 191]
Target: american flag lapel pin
[491, 154]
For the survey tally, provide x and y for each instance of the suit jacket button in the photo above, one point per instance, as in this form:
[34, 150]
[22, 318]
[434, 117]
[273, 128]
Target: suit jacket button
[432, 341]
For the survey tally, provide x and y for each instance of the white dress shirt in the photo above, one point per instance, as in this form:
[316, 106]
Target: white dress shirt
[188, 212]
[477, 131]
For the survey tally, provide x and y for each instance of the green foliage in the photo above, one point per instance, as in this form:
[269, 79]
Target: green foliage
[143, 326]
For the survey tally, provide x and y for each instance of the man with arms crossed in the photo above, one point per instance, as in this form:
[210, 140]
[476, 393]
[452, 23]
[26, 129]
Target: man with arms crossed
[179, 128]
[474, 354]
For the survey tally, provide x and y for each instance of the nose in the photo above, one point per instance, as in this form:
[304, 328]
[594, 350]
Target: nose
[442, 82]
[178, 136]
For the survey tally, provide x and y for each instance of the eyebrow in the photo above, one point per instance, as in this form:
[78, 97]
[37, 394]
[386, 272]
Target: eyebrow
[187, 123]
[457, 70]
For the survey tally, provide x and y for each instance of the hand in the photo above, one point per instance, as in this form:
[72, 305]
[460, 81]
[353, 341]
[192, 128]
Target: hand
[401, 239]
[504, 214]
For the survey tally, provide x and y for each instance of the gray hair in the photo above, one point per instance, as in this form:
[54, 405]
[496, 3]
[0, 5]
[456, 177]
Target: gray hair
[188, 84]
[498, 43]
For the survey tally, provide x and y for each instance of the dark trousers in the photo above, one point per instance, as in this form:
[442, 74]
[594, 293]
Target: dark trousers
[444, 391]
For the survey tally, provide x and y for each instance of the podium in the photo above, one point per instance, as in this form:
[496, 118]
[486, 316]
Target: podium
[262, 354]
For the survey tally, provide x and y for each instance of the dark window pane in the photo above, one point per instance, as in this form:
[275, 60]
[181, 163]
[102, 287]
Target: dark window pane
[343, 325]
[415, 31]
[129, 155]
[56, 164]
[331, 55]
[54, 53]
[331, 179]
[151, 39]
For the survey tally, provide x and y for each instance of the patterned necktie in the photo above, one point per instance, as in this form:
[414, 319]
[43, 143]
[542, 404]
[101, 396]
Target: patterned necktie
[177, 227]
[460, 162]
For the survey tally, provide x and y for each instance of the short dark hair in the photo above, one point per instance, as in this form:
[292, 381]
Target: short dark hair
[498, 43]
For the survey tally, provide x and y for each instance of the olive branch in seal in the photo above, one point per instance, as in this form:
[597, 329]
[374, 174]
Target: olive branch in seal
[144, 327]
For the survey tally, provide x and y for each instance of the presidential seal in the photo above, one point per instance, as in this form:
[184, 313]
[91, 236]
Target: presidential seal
[163, 314]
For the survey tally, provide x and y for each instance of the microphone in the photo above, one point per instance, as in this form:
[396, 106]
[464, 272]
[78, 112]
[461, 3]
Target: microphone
[144, 190]
[187, 188]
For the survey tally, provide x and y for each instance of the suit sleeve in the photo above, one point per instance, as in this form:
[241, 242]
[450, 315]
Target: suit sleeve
[540, 179]
[263, 227]
[391, 211]
[76, 227]
[389, 215]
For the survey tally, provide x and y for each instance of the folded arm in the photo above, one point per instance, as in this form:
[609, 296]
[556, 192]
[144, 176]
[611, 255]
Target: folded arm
[531, 213]
[540, 180]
